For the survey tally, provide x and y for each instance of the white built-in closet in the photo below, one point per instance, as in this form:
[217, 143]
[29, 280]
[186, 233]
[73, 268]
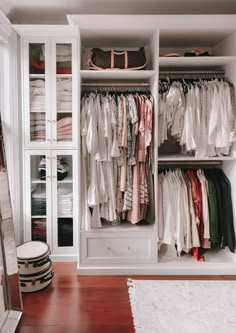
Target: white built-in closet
[128, 249]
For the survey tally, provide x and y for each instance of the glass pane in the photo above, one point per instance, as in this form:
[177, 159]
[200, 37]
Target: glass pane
[39, 231]
[37, 110]
[64, 127]
[38, 200]
[64, 58]
[64, 109]
[36, 58]
[38, 169]
[38, 197]
[65, 232]
[65, 200]
[64, 168]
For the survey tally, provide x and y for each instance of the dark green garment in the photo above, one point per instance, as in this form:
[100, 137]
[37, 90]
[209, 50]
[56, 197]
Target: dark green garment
[215, 237]
[227, 210]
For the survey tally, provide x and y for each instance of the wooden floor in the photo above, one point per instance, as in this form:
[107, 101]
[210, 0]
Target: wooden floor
[83, 304]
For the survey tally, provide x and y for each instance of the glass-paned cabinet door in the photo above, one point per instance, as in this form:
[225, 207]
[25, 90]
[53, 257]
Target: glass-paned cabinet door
[38, 196]
[65, 201]
[65, 108]
[36, 107]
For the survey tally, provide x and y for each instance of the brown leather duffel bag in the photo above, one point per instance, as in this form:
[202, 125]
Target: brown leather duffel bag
[119, 60]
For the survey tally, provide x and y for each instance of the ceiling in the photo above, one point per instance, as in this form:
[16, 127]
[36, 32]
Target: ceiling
[54, 11]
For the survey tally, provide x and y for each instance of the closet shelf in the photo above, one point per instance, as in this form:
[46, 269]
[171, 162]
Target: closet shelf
[195, 61]
[127, 227]
[38, 216]
[192, 158]
[64, 111]
[116, 74]
[38, 181]
[65, 76]
[65, 217]
[66, 180]
[37, 76]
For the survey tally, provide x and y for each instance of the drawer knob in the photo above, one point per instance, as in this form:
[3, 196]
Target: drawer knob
[128, 247]
[108, 248]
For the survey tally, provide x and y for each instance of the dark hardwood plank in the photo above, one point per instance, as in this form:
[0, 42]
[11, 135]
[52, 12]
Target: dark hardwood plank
[85, 304]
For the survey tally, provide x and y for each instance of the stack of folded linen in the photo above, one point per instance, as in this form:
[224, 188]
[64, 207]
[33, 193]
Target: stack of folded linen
[37, 95]
[64, 129]
[64, 57]
[65, 201]
[39, 231]
[37, 109]
[64, 94]
[38, 201]
[37, 127]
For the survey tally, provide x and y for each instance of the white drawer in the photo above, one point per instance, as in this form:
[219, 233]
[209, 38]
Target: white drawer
[118, 248]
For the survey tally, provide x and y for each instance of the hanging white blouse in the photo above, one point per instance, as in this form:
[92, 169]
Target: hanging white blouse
[101, 154]
[92, 140]
[84, 209]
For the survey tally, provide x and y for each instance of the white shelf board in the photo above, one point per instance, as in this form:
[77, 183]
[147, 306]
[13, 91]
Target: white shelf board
[127, 227]
[38, 216]
[38, 181]
[195, 61]
[65, 76]
[65, 217]
[117, 74]
[192, 158]
[64, 111]
[65, 180]
[37, 76]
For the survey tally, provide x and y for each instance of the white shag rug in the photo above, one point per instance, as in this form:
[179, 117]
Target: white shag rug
[183, 306]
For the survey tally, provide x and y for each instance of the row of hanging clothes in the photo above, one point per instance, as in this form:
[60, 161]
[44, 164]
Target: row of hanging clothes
[197, 114]
[116, 140]
[194, 210]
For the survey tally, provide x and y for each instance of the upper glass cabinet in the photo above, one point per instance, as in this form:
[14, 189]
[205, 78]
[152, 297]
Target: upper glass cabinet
[49, 90]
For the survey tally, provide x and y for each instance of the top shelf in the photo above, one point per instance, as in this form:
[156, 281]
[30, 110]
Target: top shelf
[210, 61]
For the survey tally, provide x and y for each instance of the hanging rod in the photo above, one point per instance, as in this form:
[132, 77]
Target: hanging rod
[190, 162]
[192, 72]
[112, 84]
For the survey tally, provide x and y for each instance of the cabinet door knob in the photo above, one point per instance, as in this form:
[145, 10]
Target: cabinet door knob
[108, 248]
[49, 140]
[48, 120]
[54, 140]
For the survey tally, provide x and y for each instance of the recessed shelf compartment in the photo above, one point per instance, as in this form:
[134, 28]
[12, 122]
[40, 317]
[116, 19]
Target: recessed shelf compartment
[195, 62]
[119, 40]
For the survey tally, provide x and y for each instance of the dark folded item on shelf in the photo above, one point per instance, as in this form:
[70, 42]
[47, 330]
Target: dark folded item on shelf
[121, 60]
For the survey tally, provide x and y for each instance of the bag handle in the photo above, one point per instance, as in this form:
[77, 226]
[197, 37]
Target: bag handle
[113, 53]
